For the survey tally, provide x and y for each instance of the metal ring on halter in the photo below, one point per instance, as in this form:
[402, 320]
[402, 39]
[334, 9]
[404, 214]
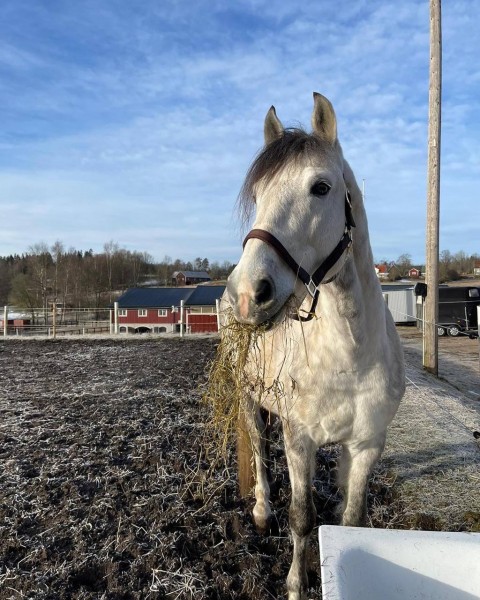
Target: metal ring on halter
[311, 288]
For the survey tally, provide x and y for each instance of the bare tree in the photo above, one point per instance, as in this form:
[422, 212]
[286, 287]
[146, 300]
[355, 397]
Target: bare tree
[39, 268]
[22, 295]
[165, 271]
[111, 250]
[404, 264]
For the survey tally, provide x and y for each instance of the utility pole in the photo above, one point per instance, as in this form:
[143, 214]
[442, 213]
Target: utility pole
[430, 339]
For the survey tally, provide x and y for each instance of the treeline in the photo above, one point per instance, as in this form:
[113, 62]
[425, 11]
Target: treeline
[76, 278]
[452, 267]
[165, 269]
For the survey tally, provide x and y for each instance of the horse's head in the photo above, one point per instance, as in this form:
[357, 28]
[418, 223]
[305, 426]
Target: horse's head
[296, 187]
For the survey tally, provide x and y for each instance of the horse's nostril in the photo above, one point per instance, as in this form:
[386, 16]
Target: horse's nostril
[264, 291]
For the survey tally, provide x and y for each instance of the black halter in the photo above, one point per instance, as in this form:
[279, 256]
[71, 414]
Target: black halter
[311, 281]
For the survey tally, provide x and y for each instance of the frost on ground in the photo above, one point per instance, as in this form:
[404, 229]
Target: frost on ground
[432, 450]
[108, 488]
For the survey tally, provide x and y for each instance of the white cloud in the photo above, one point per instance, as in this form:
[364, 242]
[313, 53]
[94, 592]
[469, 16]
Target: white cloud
[138, 125]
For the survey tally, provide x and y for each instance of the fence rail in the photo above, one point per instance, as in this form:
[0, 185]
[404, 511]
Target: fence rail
[57, 320]
[54, 320]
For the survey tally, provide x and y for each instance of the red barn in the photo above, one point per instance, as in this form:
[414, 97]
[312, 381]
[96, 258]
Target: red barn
[190, 277]
[16, 322]
[157, 310]
[414, 273]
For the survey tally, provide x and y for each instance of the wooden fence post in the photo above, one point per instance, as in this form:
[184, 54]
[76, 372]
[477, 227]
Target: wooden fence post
[115, 317]
[182, 308]
[217, 306]
[54, 319]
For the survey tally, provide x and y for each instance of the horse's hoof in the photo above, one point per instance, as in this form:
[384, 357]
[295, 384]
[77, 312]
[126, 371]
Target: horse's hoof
[263, 525]
[297, 595]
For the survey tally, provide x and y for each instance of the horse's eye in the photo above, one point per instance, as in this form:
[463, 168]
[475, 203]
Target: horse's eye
[320, 188]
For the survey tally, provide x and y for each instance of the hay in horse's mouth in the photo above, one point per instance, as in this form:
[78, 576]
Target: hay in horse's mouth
[230, 379]
[274, 321]
[225, 380]
[237, 370]
[289, 308]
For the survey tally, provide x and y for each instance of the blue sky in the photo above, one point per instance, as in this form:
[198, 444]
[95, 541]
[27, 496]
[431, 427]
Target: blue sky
[135, 121]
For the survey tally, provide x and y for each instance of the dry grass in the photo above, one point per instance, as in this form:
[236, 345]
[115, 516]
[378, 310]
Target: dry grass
[237, 375]
[231, 377]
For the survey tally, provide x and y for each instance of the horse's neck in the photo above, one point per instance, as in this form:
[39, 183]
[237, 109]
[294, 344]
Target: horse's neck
[358, 282]
[349, 311]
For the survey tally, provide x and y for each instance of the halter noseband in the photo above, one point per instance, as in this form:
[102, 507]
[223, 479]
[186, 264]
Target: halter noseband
[311, 282]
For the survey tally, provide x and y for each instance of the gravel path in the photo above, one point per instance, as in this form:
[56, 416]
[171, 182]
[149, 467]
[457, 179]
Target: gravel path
[458, 359]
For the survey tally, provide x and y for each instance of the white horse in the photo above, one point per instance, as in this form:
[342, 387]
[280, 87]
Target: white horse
[335, 355]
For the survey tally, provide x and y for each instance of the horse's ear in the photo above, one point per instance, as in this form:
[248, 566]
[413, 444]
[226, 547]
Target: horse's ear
[324, 122]
[273, 128]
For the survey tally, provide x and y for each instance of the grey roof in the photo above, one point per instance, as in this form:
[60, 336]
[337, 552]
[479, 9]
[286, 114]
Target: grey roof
[167, 297]
[392, 287]
[205, 295]
[194, 274]
[153, 297]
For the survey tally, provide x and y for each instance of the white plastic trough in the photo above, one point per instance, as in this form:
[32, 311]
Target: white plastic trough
[387, 564]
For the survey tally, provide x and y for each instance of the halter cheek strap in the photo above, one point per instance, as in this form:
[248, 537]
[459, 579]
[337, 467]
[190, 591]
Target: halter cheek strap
[311, 282]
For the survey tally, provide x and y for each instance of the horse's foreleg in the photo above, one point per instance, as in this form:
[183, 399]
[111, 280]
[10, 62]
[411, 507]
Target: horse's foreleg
[300, 453]
[254, 434]
[355, 466]
[246, 478]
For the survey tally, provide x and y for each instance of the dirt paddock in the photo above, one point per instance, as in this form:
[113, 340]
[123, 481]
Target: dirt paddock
[108, 488]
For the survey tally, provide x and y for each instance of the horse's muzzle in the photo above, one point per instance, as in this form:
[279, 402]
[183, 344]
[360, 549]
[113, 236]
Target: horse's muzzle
[253, 302]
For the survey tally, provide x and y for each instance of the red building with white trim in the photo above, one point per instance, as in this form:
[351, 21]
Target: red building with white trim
[157, 310]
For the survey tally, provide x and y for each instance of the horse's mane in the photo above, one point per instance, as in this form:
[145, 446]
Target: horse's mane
[289, 147]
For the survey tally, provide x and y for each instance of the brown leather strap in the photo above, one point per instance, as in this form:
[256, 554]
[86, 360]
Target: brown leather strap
[271, 240]
[311, 281]
[318, 276]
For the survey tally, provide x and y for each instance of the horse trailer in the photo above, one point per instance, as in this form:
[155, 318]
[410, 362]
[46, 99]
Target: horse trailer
[457, 309]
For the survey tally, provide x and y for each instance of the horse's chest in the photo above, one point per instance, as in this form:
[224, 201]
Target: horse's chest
[331, 405]
[326, 406]
[321, 402]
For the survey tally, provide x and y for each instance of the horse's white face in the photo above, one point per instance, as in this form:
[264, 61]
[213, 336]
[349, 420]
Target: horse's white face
[303, 206]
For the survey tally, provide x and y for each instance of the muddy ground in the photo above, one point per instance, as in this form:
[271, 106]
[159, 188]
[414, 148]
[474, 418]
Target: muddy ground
[107, 489]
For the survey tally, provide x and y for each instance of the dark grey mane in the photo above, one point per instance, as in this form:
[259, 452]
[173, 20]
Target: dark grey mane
[293, 144]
